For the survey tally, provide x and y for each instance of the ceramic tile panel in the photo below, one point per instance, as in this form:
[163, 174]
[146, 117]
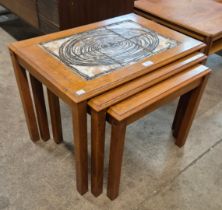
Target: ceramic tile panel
[103, 50]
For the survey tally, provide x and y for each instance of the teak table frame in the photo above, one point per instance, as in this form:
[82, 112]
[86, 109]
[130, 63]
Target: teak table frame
[100, 104]
[186, 17]
[63, 83]
[188, 84]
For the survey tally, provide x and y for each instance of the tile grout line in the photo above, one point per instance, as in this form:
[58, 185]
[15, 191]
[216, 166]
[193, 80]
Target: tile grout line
[182, 171]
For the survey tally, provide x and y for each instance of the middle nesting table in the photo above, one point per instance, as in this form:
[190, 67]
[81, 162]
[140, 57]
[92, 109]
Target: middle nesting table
[81, 63]
[100, 104]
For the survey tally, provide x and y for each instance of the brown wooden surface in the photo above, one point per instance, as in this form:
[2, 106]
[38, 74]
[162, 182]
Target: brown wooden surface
[38, 96]
[79, 120]
[98, 123]
[189, 112]
[49, 10]
[216, 46]
[205, 25]
[64, 83]
[40, 63]
[191, 80]
[115, 95]
[48, 13]
[25, 95]
[81, 12]
[54, 15]
[55, 115]
[213, 44]
[26, 9]
[135, 104]
[115, 159]
[100, 103]
[168, 24]
[181, 107]
[202, 16]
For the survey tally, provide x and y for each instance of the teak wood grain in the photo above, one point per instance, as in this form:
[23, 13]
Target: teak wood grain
[115, 159]
[75, 13]
[79, 121]
[188, 114]
[201, 20]
[99, 105]
[136, 103]
[191, 81]
[119, 93]
[38, 96]
[63, 83]
[25, 95]
[67, 82]
[98, 123]
[202, 17]
[55, 115]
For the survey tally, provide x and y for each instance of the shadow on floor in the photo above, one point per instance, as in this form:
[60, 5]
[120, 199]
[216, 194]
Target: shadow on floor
[16, 27]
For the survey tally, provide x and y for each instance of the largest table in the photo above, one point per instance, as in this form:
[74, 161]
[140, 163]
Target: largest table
[81, 63]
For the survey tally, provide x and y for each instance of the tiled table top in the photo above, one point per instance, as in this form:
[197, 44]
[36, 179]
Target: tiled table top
[86, 61]
[100, 51]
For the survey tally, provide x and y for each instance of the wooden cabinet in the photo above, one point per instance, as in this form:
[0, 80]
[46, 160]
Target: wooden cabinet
[49, 15]
[26, 9]
[55, 15]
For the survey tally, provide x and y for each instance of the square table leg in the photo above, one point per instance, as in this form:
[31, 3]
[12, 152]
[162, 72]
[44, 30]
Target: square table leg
[209, 43]
[181, 107]
[186, 111]
[55, 115]
[79, 120]
[115, 161]
[25, 95]
[98, 123]
[38, 96]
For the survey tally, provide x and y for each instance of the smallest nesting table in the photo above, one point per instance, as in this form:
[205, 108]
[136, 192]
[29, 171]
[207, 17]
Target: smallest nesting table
[189, 84]
[78, 64]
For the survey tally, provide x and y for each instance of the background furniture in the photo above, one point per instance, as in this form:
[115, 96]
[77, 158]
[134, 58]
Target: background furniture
[199, 19]
[54, 15]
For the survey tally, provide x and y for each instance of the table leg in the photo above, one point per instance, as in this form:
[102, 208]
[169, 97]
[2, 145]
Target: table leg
[115, 158]
[26, 98]
[39, 101]
[209, 42]
[79, 118]
[181, 107]
[189, 113]
[55, 117]
[98, 123]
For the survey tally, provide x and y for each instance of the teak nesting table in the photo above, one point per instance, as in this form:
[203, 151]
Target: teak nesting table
[201, 20]
[189, 84]
[100, 64]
